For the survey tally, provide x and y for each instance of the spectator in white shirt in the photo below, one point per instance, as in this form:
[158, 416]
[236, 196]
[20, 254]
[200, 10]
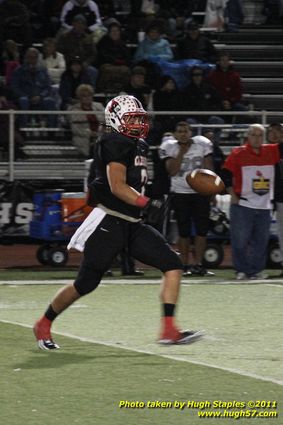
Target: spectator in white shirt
[53, 60]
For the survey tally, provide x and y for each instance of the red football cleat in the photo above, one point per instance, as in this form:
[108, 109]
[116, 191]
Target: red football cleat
[42, 334]
[175, 336]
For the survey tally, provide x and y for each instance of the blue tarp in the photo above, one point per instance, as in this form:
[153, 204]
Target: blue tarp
[180, 70]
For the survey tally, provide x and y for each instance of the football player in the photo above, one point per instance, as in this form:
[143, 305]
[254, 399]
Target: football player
[118, 195]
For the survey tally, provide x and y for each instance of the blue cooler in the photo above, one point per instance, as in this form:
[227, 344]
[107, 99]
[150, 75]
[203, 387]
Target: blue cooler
[47, 217]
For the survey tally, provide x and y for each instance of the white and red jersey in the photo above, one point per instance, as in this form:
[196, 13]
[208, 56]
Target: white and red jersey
[253, 174]
[200, 148]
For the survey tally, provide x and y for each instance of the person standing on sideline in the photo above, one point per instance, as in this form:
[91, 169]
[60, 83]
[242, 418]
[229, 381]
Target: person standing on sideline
[115, 223]
[182, 154]
[275, 135]
[248, 174]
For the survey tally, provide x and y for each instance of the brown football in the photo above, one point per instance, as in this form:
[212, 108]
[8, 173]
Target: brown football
[205, 182]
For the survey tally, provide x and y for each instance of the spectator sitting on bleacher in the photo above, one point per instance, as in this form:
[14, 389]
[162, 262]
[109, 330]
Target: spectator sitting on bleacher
[176, 28]
[74, 75]
[200, 95]
[15, 22]
[113, 57]
[166, 98]
[53, 60]
[10, 60]
[85, 128]
[31, 85]
[78, 42]
[137, 86]
[87, 8]
[153, 46]
[227, 81]
[111, 47]
[195, 45]
[6, 103]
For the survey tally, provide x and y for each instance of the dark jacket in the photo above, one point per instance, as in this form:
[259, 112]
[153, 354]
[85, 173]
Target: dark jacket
[201, 97]
[72, 44]
[69, 84]
[111, 52]
[201, 48]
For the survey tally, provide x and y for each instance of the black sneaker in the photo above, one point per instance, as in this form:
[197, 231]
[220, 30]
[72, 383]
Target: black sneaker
[133, 273]
[187, 271]
[199, 270]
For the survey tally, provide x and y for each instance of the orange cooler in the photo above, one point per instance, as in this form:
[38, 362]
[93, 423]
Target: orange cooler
[74, 206]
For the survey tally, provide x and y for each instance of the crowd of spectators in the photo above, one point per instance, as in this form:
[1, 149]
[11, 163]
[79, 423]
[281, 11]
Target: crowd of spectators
[49, 48]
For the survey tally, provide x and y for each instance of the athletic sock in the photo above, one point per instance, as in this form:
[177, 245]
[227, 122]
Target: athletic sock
[168, 310]
[50, 314]
[168, 319]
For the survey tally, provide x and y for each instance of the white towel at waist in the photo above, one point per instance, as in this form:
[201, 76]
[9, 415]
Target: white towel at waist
[83, 232]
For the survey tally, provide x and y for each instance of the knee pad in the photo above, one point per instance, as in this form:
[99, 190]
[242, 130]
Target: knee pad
[87, 280]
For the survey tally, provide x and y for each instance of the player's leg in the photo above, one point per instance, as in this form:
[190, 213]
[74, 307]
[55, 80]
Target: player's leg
[200, 212]
[181, 206]
[42, 327]
[150, 247]
[100, 249]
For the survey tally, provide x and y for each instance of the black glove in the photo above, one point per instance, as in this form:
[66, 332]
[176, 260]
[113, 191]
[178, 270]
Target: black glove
[154, 211]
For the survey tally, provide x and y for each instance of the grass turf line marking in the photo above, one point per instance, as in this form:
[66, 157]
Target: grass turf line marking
[166, 356]
[156, 281]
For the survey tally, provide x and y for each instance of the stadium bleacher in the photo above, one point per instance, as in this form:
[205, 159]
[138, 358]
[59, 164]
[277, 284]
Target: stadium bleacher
[260, 65]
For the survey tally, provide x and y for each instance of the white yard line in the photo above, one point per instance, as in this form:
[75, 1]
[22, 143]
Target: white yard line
[171, 357]
[135, 281]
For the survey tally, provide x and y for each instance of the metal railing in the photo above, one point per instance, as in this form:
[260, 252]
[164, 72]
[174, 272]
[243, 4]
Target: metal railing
[13, 113]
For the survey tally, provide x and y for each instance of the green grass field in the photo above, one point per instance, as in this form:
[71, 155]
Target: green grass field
[108, 353]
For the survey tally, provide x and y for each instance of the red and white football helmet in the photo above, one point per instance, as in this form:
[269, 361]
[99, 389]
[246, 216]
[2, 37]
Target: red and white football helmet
[126, 115]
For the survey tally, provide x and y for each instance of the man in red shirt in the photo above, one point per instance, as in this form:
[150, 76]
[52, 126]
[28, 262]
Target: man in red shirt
[248, 173]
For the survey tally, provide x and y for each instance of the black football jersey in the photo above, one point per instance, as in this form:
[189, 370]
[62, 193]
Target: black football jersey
[114, 147]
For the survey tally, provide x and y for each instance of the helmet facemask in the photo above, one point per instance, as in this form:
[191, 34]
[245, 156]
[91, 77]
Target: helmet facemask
[135, 124]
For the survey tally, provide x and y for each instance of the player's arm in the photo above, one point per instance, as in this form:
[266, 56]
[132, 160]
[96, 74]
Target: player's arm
[173, 165]
[208, 162]
[116, 174]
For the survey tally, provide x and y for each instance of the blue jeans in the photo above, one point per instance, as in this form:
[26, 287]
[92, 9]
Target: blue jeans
[45, 104]
[249, 229]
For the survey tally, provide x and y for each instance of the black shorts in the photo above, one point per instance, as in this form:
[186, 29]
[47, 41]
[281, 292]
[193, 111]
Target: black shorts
[192, 213]
[113, 234]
